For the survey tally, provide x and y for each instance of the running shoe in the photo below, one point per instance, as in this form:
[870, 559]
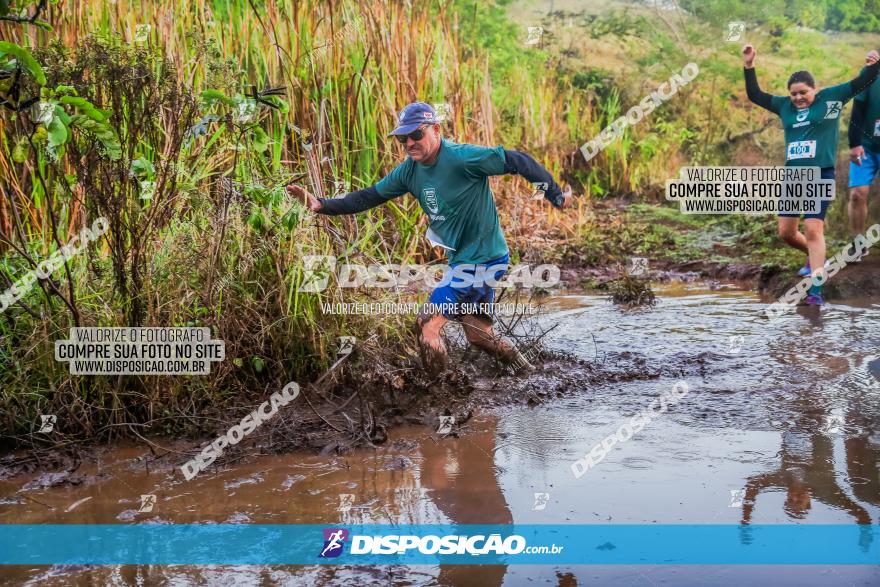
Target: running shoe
[805, 270]
[814, 300]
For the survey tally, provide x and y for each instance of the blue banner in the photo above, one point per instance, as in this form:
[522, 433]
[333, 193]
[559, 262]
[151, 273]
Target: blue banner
[277, 544]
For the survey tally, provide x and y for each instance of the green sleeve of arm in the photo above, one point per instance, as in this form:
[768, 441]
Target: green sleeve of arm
[776, 104]
[484, 161]
[394, 184]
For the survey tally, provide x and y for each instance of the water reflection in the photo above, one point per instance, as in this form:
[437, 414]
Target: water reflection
[806, 473]
[829, 452]
[460, 478]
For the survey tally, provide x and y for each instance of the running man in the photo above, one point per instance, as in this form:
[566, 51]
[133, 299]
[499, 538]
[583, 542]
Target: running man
[864, 151]
[811, 120]
[451, 183]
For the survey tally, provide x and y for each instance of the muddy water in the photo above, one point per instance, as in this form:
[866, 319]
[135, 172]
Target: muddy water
[781, 425]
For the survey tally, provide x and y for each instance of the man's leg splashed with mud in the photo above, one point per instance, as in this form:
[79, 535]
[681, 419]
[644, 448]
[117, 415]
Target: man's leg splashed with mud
[479, 332]
[449, 180]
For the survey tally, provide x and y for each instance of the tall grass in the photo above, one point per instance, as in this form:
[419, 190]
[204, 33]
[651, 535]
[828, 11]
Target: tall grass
[348, 67]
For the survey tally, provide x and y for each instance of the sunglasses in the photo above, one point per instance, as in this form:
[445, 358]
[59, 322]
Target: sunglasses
[415, 135]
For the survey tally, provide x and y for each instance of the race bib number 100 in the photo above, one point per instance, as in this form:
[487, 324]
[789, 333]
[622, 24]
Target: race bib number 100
[801, 150]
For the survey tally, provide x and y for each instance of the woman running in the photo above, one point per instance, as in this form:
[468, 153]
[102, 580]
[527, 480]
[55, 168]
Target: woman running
[811, 119]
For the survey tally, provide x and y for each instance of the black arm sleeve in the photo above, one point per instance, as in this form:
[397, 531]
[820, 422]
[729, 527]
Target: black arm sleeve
[857, 123]
[754, 92]
[524, 165]
[865, 78]
[352, 202]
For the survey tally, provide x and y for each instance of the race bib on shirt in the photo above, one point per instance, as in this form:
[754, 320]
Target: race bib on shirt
[801, 150]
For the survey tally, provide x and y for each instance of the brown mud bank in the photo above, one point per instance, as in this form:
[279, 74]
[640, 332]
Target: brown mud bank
[856, 280]
[601, 278]
[367, 400]
[665, 271]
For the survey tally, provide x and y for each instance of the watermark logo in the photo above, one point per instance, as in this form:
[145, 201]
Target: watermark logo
[735, 31]
[339, 187]
[446, 424]
[348, 32]
[175, 350]
[736, 498]
[142, 33]
[852, 252]
[237, 433]
[407, 493]
[42, 112]
[538, 189]
[833, 424]
[346, 500]
[45, 268]
[535, 34]
[752, 190]
[452, 308]
[833, 108]
[443, 110]
[638, 266]
[628, 429]
[634, 115]
[450, 544]
[334, 540]
[346, 346]
[541, 500]
[147, 503]
[525, 359]
[317, 270]
[47, 423]
[735, 344]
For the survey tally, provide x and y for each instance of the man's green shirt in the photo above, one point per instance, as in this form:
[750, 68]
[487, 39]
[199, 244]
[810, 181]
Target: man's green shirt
[454, 193]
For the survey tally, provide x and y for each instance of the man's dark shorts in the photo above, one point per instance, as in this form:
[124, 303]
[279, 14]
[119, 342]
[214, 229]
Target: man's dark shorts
[473, 295]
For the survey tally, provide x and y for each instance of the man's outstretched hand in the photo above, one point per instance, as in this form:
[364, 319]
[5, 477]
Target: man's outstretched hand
[310, 201]
[566, 198]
